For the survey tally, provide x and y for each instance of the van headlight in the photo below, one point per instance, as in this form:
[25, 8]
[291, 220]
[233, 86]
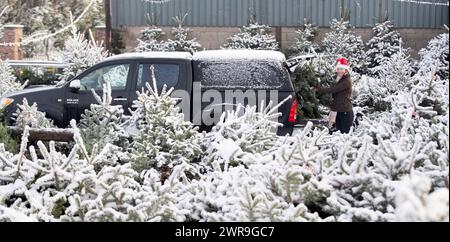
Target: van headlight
[5, 102]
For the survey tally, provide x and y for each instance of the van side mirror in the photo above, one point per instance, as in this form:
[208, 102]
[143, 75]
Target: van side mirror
[75, 85]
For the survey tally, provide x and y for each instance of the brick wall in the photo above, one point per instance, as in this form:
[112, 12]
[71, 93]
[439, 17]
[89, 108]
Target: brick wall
[209, 37]
[9, 48]
[214, 37]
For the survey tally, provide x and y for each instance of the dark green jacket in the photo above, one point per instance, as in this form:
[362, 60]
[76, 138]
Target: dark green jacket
[342, 94]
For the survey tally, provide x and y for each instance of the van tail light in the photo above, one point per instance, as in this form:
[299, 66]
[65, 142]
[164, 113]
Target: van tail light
[293, 112]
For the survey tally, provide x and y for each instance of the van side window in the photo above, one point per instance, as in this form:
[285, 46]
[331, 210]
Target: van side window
[168, 74]
[242, 74]
[117, 75]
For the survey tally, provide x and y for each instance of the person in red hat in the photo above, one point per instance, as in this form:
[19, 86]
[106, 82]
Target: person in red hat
[342, 96]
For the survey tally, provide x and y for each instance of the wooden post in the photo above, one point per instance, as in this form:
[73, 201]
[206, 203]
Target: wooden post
[278, 35]
[107, 6]
[342, 9]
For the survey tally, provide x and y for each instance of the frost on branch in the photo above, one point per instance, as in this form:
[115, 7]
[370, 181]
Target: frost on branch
[150, 37]
[30, 116]
[415, 202]
[342, 42]
[181, 41]
[79, 54]
[240, 132]
[8, 82]
[384, 43]
[163, 139]
[254, 36]
[102, 124]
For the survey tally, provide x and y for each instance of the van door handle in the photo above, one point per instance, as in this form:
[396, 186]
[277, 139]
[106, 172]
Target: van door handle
[120, 99]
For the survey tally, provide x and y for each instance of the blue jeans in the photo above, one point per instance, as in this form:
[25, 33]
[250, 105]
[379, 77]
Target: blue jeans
[344, 121]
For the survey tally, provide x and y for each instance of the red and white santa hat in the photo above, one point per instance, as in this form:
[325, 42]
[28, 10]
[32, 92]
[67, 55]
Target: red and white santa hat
[342, 63]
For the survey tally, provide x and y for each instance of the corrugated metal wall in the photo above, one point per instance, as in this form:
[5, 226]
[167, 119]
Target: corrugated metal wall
[364, 13]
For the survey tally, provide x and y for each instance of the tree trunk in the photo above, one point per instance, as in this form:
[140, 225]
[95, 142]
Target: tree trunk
[60, 135]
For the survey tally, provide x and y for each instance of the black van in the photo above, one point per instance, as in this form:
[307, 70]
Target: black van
[237, 76]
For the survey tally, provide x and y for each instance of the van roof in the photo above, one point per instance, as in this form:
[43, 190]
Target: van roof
[151, 55]
[209, 55]
[240, 55]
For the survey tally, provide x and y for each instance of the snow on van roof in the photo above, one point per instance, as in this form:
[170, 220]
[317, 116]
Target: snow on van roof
[152, 55]
[240, 55]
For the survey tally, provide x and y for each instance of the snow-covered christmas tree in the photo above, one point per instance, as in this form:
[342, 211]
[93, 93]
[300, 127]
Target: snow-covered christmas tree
[432, 78]
[163, 138]
[102, 124]
[8, 81]
[305, 79]
[304, 42]
[342, 42]
[30, 116]
[181, 41]
[394, 75]
[255, 36]
[434, 58]
[79, 54]
[237, 135]
[395, 72]
[150, 37]
[339, 42]
[385, 43]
